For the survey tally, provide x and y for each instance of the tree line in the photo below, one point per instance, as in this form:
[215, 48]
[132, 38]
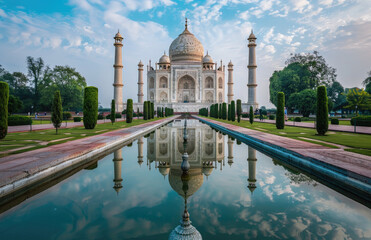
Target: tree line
[34, 91]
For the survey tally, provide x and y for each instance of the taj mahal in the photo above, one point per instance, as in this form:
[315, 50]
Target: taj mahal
[186, 80]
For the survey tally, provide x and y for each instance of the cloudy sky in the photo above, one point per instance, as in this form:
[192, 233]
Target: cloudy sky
[79, 33]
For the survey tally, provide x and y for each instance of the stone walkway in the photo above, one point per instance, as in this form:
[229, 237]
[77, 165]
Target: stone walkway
[26, 128]
[353, 162]
[22, 166]
[331, 127]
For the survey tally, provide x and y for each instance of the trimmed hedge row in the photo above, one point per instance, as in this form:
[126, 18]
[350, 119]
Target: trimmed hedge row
[77, 119]
[17, 120]
[361, 121]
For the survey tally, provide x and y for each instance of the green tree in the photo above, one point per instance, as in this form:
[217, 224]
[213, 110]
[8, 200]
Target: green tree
[152, 110]
[14, 105]
[358, 99]
[129, 110]
[239, 110]
[304, 101]
[4, 98]
[280, 116]
[229, 112]
[251, 115]
[57, 111]
[224, 111]
[322, 111]
[367, 83]
[220, 111]
[90, 107]
[145, 110]
[69, 82]
[113, 112]
[233, 111]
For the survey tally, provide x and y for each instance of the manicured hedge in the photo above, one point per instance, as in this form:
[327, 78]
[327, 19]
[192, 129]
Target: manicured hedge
[57, 111]
[4, 99]
[272, 117]
[224, 111]
[297, 119]
[100, 117]
[220, 111]
[251, 115]
[229, 112]
[239, 110]
[280, 118]
[67, 115]
[335, 121]
[361, 121]
[233, 111]
[113, 111]
[145, 110]
[322, 111]
[129, 110]
[90, 107]
[17, 120]
[78, 119]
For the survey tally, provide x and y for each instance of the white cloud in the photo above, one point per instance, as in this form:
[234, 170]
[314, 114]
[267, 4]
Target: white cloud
[301, 5]
[326, 2]
[2, 13]
[244, 15]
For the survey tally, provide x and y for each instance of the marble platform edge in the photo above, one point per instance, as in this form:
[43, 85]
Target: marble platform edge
[26, 181]
[322, 170]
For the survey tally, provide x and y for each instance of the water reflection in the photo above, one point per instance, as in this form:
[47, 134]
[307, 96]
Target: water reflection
[252, 169]
[117, 161]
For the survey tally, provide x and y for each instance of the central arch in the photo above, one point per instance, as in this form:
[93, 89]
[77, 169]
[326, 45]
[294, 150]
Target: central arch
[186, 89]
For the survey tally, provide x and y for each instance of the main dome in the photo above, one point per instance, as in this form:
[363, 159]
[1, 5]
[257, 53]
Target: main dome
[186, 47]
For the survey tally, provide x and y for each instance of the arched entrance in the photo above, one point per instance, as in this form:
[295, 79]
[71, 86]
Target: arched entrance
[186, 89]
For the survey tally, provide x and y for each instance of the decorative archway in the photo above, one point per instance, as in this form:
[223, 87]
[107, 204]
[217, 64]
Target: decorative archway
[151, 83]
[220, 97]
[163, 97]
[209, 82]
[220, 83]
[163, 82]
[186, 89]
[209, 97]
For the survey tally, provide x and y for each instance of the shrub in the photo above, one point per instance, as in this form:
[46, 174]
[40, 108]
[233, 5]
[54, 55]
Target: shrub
[145, 110]
[118, 115]
[100, 117]
[90, 107]
[224, 111]
[251, 115]
[334, 121]
[239, 110]
[78, 119]
[152, 109]
[113, 112]
[17, 120]
[57, 111]
[229, 112]
[280, 120]
[245, 115]
[297, 119]
[220, 111]
[361, 121]
[4, 99]
[67, 115]
[272, 117]
[129, 112]
[322, 111]
[233, 111]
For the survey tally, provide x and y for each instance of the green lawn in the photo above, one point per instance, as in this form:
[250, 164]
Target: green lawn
[43, 138]
[359, 143]
[341, 122]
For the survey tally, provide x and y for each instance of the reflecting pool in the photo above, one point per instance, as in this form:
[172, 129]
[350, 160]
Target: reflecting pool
[231, 191]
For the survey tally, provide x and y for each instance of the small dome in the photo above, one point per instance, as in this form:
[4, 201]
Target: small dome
[118, 35]
[230, 63]
[252, 36]
[207, 170]
[207, 59]
[164, 59]
[163, 170]
[140, 63]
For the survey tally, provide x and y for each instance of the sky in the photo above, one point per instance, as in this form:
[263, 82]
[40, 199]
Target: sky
[79, 33]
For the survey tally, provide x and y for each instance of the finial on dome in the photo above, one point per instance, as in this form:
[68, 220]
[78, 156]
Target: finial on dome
[207, 52]
[164, 52]
[186, 23]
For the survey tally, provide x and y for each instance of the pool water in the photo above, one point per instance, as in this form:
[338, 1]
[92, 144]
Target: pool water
[232, 191]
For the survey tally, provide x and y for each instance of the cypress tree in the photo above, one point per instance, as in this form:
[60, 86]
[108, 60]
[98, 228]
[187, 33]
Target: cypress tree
[4, 100]
[152, 110]
[220, 111]
[129, 110]
[233, 111]
[162, 112]
[216, 111]
[113, 112]
[224, 111]
[239, 110]
[251, 115]
[145, 110]
[322, 111]
[90, 107]
[57, 111]
[280, 118]
[229, 112]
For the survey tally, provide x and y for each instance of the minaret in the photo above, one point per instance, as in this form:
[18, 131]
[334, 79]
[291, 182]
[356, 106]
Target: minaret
[140, 150]
[140, 82]
[117, 85]
[230, 151]
[252, 168]
[230, 81]
[117, 160]
[252, 72]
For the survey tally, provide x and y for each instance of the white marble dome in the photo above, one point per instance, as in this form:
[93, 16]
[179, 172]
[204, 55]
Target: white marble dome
[186, 47]
[164, 59]
[207, 59]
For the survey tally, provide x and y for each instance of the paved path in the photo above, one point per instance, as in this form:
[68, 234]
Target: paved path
[331, 127]
[26, 128]
[20, 167]
[352, 162]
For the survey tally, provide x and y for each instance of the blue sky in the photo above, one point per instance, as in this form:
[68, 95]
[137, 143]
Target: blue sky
[79, 33]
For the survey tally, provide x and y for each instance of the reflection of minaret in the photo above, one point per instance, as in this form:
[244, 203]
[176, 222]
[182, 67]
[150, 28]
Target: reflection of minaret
[230, 151]
[117, 160]
[252, 169]
[140, 150]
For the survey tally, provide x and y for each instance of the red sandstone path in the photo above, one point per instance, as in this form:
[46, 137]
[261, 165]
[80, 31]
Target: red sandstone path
[26, 128]
[22, 165]
[331, 127]
[350, 161]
